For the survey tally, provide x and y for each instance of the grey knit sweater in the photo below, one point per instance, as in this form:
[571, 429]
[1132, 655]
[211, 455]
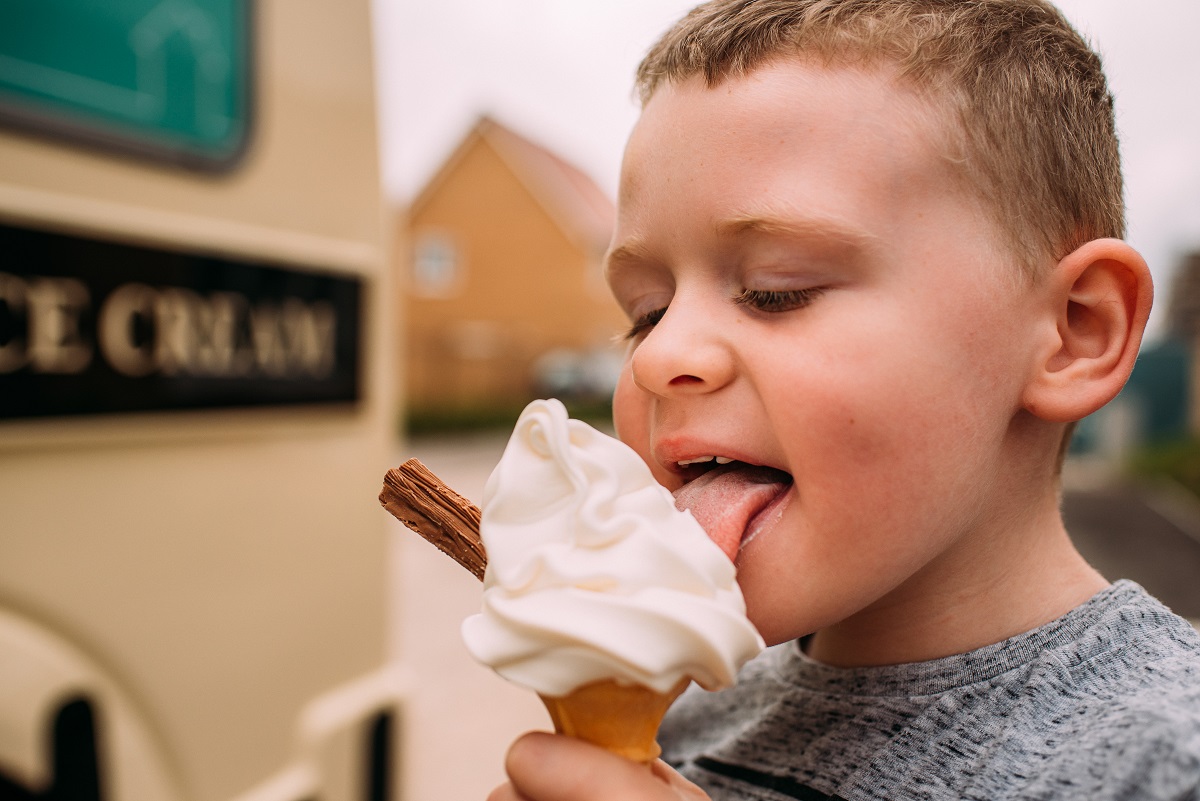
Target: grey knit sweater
[1103, 703]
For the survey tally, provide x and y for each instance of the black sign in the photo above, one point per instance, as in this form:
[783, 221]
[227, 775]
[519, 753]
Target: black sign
[90, 326]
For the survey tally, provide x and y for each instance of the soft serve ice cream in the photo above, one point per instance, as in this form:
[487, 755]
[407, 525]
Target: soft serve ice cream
[594, 575]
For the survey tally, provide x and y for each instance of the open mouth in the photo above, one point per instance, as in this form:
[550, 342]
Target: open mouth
[732, 500]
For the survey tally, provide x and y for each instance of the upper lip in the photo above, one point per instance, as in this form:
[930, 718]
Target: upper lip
[669, 454]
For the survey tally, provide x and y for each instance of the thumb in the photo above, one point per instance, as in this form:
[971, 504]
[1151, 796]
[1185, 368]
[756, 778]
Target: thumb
[683, 789]
[548, 767]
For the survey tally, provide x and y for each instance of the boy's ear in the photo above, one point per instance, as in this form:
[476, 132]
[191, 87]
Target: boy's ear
[1099, 301]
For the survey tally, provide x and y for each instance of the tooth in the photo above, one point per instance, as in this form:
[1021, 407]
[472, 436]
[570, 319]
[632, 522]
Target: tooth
[697, 460]
[723, 460]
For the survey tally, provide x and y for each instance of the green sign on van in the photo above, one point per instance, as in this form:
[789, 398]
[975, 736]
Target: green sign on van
[163, 79]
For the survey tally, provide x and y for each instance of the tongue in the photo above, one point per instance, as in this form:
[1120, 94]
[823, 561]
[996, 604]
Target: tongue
[726, 499]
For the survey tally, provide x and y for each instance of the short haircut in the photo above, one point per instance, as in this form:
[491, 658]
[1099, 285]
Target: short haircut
[1035, 129]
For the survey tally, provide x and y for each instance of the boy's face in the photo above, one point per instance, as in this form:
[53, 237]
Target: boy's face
[836, 308]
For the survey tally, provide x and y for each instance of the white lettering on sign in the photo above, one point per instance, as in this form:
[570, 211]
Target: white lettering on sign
[143, 330]
[294, 337]
[12, 298]
[115, 329]
[51, 308]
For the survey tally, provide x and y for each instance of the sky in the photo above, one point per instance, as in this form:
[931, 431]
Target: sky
[560, 72]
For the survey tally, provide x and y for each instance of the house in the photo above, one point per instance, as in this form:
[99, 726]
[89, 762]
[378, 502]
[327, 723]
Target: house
[503, 295]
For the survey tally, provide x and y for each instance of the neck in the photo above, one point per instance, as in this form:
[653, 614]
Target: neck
[996, 583]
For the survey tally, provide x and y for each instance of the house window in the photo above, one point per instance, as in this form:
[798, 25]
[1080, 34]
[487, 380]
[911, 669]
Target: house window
[437, 266]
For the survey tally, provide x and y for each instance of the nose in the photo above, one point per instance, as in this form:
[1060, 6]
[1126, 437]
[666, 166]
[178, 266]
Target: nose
[683, 354]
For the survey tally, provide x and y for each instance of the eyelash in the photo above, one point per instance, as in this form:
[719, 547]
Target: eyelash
[644, 323]
[765, 300]
[768, 300]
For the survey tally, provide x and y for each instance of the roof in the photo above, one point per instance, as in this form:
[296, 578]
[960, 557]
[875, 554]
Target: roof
[569, 196]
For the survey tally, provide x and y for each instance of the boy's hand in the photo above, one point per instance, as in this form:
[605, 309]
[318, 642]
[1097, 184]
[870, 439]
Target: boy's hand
[551, 767]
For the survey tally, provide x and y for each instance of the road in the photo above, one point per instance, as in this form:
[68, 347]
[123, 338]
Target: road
[1145, 532]
[460, 718]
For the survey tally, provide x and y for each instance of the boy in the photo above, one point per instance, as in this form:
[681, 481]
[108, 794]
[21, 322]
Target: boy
[874, 246]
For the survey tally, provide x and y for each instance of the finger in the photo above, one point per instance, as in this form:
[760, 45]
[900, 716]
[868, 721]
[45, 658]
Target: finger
[548, 767]
[683, 788]
[506, 792]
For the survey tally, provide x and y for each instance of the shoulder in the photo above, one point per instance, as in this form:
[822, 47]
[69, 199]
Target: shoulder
[1131, 657]
[1134, 645]
[1143, 746]
[1122, 708]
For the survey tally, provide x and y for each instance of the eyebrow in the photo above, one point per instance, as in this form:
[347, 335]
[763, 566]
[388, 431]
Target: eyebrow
[826, 229]
[831, 232]
[634, 251]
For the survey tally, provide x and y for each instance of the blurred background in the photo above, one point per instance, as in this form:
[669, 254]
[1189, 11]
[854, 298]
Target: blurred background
[255, 254]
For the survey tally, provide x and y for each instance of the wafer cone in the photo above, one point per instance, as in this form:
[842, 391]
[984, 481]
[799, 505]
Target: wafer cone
[620, 718]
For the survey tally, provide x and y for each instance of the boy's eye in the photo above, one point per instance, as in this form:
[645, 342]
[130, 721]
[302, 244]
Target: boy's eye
[644, 323]
[769, 300]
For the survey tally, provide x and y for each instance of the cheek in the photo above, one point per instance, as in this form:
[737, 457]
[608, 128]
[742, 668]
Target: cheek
[631, 417]
[866, 430]
[626, 406]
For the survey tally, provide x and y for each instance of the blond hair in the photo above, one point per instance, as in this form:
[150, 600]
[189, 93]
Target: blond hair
[1036, 129]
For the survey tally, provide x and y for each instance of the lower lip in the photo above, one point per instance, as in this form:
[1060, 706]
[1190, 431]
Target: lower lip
[767, 517]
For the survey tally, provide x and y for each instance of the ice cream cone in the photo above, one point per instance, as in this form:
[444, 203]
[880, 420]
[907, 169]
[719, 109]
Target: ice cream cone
[620, 718]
